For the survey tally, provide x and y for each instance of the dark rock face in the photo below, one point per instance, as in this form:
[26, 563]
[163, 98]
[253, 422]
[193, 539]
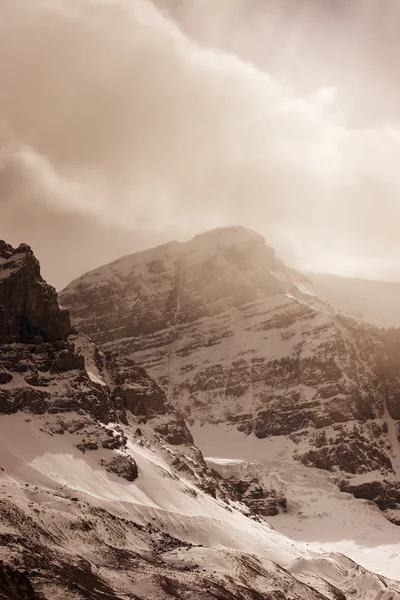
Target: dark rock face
[257, 498]
[5, 377]
[390, 371]
[354, 450]
[124, 466]
[136, 393]
[385, 493]
[52, 378]
[29, 310]
[175, 431]
[15, 585]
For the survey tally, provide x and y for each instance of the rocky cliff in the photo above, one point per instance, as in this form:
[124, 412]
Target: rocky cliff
[29, 310]
[236, 338]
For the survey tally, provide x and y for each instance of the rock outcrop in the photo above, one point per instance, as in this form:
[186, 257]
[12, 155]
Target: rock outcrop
[256, 497]
[236, 338]
[15, 585]
[384, 493]
[29, 310]
[135, 393]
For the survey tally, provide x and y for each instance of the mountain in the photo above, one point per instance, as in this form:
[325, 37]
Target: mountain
[375, 302]
[103, 494]
[238, 340]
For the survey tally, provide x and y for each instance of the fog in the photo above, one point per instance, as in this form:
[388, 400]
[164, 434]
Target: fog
[126, 123]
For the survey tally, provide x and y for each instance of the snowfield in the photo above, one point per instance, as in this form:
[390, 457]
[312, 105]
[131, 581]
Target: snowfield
[319, 515]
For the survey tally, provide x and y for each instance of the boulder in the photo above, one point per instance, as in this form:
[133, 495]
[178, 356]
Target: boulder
[124, 466]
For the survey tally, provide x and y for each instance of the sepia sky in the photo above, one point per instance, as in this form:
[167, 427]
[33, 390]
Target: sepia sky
[127, 123]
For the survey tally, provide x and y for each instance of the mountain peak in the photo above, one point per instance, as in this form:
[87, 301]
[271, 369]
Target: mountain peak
[237, 242]
[29, 310]
[7, 252]
[229, 236]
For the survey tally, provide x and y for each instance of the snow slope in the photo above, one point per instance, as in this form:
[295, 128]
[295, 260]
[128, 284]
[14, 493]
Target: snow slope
[56, 487]
[318, 513]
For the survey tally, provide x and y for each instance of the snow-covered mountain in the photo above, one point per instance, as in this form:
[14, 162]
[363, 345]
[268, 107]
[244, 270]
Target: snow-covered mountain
[239, 340]
[103, 494]
[375, 302]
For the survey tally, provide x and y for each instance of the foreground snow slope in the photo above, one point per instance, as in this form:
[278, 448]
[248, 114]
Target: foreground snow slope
[55, 499]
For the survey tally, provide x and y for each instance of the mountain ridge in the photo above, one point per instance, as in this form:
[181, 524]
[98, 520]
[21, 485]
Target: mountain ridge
[375, 302]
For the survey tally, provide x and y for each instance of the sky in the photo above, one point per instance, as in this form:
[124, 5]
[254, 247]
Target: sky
[127, 123]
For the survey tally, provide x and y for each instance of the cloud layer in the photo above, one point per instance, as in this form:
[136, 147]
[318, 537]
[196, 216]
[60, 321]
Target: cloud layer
[118, 131]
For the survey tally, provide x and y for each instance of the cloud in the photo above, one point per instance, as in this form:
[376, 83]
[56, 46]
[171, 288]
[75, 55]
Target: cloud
[113, 119]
